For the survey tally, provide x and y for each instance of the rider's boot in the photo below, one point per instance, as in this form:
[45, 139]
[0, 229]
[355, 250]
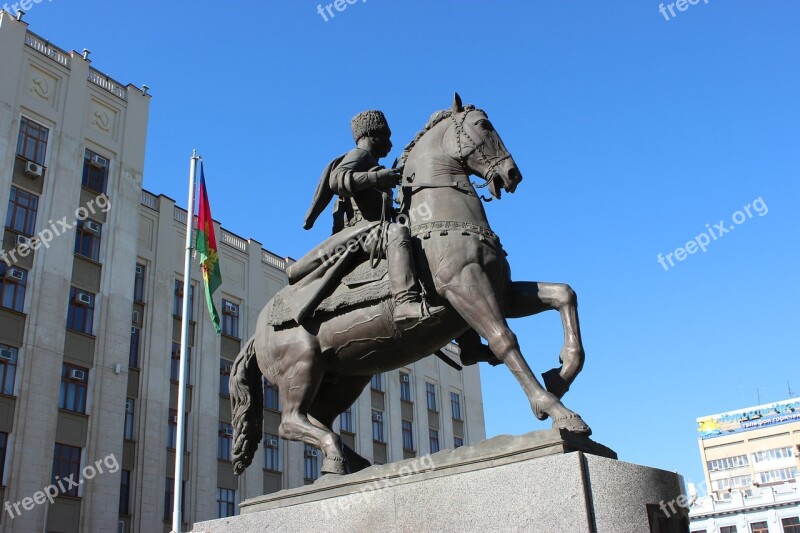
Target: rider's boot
[409, 307]
[473, 351]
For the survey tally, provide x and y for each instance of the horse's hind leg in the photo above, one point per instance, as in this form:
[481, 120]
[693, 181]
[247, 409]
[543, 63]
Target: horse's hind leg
[298, 385]
[528, 298]
[331, 400]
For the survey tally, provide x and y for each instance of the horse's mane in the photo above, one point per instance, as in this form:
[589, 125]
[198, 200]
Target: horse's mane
[436, 118]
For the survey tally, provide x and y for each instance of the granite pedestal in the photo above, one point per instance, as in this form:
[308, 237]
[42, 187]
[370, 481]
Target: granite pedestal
[549, 481]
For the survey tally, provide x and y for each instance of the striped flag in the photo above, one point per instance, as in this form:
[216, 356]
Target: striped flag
[206, 245]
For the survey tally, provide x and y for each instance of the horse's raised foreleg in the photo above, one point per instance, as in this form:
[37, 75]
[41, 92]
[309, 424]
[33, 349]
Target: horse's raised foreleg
[298, 385]
[472, 295]
[528, 298]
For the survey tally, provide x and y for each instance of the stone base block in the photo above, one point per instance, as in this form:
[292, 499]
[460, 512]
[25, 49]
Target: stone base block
[548, 481]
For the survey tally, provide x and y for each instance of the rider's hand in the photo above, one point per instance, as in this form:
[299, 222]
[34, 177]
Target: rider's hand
[386, 178]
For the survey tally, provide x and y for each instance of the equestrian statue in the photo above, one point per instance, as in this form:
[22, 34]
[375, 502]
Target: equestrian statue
[392, 286]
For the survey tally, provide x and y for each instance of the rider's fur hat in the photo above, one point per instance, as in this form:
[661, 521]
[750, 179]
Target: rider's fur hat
[369, 123]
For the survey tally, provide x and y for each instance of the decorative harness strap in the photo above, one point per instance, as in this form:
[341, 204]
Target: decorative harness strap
[444, 227]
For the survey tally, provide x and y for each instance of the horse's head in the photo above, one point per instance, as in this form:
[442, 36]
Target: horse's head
[474, 142]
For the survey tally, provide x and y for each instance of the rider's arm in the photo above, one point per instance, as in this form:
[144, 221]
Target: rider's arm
[357, 172]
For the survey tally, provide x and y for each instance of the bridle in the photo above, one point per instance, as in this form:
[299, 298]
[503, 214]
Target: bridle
[480, 148]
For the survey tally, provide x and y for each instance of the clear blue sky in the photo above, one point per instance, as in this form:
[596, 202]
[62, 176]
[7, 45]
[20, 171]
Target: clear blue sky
[632, 133]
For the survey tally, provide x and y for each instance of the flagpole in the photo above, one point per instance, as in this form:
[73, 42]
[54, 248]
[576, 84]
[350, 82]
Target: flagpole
[187, 270]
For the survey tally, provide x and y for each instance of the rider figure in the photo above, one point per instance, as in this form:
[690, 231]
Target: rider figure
[364, 188]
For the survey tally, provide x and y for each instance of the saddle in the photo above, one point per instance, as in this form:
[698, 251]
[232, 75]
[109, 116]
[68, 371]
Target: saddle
[363, 285]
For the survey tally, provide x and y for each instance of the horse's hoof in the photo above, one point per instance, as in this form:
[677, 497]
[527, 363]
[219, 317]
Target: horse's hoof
[333, 465]
[572, 423]
[554, 383]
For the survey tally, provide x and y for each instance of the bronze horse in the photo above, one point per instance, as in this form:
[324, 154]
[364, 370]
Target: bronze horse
[322, 366]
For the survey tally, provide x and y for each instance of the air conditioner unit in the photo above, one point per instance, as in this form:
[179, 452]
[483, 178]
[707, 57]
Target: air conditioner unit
[15, 274]
[92, 226]
[139, 269]
[83, 298]
[273, 443]
[99, 161]
[33, 169]
[135, 317]
[6, 354]
[77, 375]
[404, 378]
[377, 417]
[133, 330]
[227, 432]
[231, 309]
[22, 240]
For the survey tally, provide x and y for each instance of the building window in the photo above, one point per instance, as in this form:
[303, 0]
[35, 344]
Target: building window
[169, 500]
[8, 371]
[272, 399]
[272, 452]
[727, 529]
[455, 405]
[773, 454]
[177, 301]
[433, 439]
[124, 492]
[408, 435]
[172, 429]
[430, 393]
[759, 527]
[175, 363]
[32, 141]
[778, 476]
[732, 482]
[377, 426]
[3, 448]
[95, 172]
[133, 356]
[346, 420]
[224, 441]
[405, 387]
[87, 239]
[22, 208]
[13, 282]
[129, 408]
[230, 319]
[66, 465]
[224, 377]
[727, 463]
[72, 396]
[377, 382]
[458, 442]
[138, 283]
[310, 463]
[80, 315]
[226, 502]
[791, 524]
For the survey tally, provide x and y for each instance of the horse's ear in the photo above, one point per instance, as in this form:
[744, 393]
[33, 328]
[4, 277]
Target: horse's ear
[457, 105]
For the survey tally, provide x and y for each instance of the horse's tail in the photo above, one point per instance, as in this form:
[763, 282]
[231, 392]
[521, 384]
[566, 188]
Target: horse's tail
[247, 396]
